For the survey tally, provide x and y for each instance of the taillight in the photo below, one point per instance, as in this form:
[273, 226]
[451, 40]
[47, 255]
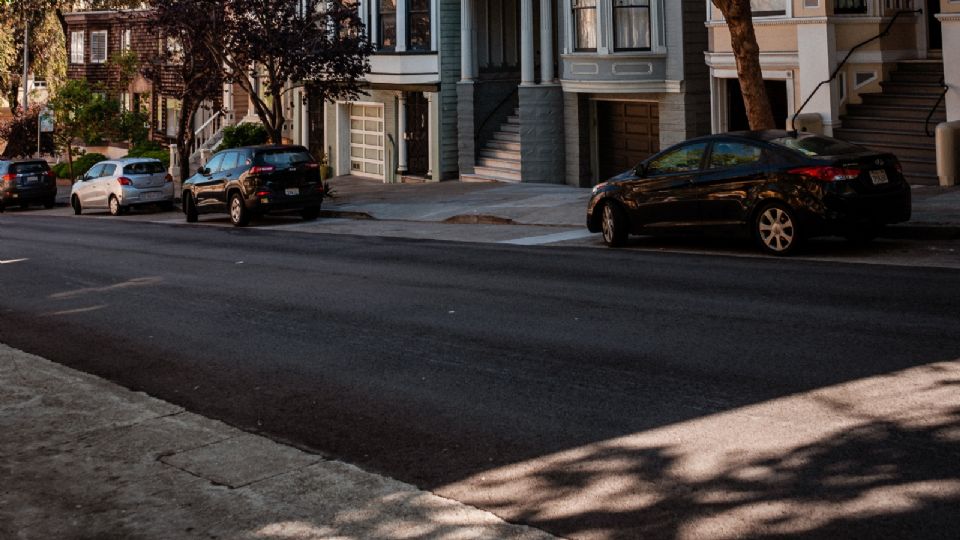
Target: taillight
[262, 193]
[312, 165]
[124, 181]
[828, 174]
[261, 169]
[9, 178]
[52, 174]
[168, 178]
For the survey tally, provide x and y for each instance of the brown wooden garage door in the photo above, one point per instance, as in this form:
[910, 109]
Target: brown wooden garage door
[628, 133]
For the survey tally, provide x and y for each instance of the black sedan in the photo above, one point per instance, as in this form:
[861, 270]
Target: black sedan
[781, 187]
[252, 181]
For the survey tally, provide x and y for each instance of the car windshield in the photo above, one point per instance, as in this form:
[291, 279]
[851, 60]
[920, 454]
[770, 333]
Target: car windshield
[27, 168]
[285, 158]
[817, 145]
[144, 167]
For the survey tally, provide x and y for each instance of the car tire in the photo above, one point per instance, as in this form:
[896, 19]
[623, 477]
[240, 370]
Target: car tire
[776, 230]
[613, 224]
[239, 215]
[75, 203]
[310, 213]
[190, 208]
[114, 205]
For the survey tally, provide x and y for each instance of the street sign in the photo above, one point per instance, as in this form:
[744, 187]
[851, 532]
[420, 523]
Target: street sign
[46, 120]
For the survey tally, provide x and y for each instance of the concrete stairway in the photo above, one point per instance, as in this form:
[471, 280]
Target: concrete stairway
[893, 120]
[499, 159]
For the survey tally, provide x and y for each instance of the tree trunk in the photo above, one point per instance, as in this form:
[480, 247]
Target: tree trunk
[739, 18]
[70, 161]
[185, 133]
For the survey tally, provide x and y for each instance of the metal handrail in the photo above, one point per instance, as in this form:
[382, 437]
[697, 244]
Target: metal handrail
[884, 33]
[497, 108]
[926, 123]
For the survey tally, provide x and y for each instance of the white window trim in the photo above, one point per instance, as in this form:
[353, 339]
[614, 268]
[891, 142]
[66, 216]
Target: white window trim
[77, 51]
[605, 31]
[127, 40]
[788, 15]
[106, 47]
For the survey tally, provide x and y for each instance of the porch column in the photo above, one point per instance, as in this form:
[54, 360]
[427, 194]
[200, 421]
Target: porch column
[402, 134]
[546, 41]
[527, 76]
[433, 127]
[466, 40]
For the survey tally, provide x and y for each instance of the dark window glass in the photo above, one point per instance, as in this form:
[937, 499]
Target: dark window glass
[631, 23]
[144, 167]
[27, 168]
[818, 145]
[850, 6]
[108, 170]
[730, 154]
[388, 25]
[418, 34]
[285, 158]
[684, 159]
[585, 25]
[230, 161]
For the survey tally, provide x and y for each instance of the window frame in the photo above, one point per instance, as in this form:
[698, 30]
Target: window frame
[787, 8]
[574, 9]
[106, 46]
[613, 29]
[428, 12]
[380, 16]
[78, 55]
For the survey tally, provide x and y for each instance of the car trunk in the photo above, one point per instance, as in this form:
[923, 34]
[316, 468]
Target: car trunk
[294, 172]
[878, 172]
[32, 175]
[145, 175]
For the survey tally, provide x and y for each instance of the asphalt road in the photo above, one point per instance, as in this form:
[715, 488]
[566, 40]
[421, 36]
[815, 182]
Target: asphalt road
[433, 362]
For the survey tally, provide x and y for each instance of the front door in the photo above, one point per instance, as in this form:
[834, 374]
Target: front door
[418, 151]
[667, 193]
[315, 113]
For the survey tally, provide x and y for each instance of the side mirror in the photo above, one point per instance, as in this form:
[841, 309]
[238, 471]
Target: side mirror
[641, 170]
[80, 178]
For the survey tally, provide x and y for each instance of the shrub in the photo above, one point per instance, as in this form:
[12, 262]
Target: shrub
[80, 165]
[151, 149]
[243, 135]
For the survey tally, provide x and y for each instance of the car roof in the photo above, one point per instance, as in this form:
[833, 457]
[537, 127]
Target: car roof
[129, 160]
[268, 147]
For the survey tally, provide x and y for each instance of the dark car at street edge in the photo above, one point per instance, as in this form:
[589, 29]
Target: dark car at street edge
[26, 182]
[781, 187]
[252, 181]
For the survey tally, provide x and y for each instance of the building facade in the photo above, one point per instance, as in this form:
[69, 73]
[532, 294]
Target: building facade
[882, 94]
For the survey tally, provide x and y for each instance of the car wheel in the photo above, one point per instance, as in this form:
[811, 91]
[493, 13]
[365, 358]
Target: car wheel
[75, 203]
[310, 213]
[239, 215]
[190, 208]
[115, 209]
[776, 229]
[613, 224]
[864, 234]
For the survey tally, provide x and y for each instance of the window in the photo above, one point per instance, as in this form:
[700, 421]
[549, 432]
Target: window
[127, 40]
[585, 25]
[144, 167]
[843, 7]
[230, 161]
[631, 23]
[730, 154]
[214, 164]
[769, 8]
[418, 34]
[108, 170]
[388, 25]
[76, 47]
[98, 47]
[681, 160]
[94, 172]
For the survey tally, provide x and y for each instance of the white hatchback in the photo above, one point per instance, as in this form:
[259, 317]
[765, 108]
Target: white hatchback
[119, 184]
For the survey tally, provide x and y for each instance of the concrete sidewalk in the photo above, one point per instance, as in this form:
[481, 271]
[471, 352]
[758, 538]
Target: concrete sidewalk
[936, 211]
[84, 458]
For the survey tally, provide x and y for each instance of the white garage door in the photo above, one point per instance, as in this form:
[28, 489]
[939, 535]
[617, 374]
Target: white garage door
[366, 139]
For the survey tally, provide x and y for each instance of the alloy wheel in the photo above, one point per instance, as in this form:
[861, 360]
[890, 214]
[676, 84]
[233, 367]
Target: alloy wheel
[776, 229]
[114, 206]
[235, 210]
[609, 224]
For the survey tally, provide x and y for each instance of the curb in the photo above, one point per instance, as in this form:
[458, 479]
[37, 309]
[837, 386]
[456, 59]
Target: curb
[923, 231]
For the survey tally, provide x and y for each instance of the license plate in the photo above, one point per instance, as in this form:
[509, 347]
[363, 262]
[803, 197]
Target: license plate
[879, 177]
[151, 195]
[33, 179]
[292, 191]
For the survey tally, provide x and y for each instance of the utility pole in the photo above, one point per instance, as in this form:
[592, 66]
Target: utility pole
[26, 58]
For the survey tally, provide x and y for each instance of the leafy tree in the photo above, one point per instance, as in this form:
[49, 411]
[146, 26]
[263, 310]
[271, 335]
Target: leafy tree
[20, 132]
[739, 17]
[283, 43]
[82, 112]
[243, 135]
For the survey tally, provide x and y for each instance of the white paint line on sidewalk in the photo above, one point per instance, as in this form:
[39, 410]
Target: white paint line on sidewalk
[550, 238]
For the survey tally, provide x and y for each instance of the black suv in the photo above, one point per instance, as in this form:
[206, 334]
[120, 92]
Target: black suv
[250, 181]
[27, 182]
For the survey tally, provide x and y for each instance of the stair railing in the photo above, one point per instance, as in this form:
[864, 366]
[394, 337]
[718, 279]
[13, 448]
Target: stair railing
[493, 111]
[943, 94]
[205, 132]
[884, 33]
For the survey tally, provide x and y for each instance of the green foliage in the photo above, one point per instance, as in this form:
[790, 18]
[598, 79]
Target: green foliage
[20, 133]
[150, 149]
[243, 135]
[80, 166]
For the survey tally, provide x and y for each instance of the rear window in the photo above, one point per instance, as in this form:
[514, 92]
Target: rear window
[146, 167]
[27, 168]
[818, 145]
[285, 158]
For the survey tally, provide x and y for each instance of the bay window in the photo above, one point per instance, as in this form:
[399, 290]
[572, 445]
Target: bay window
[418, 35]
[585, 25]
[631, 25]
